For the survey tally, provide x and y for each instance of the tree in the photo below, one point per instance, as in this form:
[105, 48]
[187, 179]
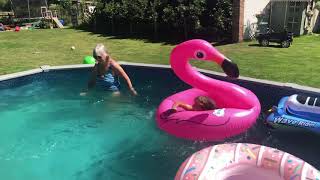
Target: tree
[5, 5]
[180, 16]
[184, 13]
[317, 5]
[134, 11]
[154, 7]
[113, 10]
[217, 15]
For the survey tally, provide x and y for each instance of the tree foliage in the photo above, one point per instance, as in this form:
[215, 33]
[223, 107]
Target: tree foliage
[186, 17]
[317, 5]
[5, 5]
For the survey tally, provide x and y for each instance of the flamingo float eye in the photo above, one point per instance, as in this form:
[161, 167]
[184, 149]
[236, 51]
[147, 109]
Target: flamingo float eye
[200, 55]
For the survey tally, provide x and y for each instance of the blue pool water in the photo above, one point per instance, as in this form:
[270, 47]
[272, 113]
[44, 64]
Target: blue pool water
[48, 131]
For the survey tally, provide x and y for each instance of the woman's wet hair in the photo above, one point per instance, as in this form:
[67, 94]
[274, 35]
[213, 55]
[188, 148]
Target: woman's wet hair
[99, 50]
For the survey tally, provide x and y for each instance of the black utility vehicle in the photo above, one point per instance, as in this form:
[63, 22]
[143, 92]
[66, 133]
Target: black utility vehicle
[284, 38]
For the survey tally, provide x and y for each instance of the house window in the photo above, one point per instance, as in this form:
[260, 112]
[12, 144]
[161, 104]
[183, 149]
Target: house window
[294, 7]
[293, 23]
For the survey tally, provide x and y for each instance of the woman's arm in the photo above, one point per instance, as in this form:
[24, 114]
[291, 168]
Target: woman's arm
[119, 70]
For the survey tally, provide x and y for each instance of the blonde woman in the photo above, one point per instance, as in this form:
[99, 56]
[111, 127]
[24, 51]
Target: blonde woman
[106, 72]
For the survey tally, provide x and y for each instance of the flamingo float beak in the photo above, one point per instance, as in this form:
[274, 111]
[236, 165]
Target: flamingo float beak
[230, 68]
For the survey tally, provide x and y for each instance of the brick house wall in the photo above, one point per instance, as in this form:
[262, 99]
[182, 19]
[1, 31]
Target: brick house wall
[237, 20]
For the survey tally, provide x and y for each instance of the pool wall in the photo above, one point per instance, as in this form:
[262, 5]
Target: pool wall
[268, 92]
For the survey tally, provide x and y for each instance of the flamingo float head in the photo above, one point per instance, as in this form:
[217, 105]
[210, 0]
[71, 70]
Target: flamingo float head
[202, 50]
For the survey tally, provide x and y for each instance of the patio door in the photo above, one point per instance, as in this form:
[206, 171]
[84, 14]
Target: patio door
[294, 25]
[294, 17]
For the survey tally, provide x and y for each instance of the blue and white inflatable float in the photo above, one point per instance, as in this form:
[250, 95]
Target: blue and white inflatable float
[297, 111]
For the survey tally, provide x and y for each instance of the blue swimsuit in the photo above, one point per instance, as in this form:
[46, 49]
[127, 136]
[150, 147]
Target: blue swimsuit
[108, 81]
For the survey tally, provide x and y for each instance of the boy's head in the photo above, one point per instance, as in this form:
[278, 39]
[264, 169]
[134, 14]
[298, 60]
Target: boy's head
[100, 53]
[204, 103]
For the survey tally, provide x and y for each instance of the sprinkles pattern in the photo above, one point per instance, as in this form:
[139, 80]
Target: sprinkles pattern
[207, 163]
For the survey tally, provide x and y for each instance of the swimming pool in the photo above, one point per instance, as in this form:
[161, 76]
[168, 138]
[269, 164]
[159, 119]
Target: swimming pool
[50, 132]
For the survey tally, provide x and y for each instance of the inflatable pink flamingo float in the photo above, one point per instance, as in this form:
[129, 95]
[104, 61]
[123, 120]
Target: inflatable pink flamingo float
[238, 107]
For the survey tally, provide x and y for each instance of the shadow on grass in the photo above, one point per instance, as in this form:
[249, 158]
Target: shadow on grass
[271, 45]
[165, 39]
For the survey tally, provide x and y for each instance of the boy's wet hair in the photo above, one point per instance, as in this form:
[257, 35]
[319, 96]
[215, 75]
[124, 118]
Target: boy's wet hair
[206, 102]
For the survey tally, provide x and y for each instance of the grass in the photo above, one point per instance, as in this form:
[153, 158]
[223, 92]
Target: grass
[30, 49]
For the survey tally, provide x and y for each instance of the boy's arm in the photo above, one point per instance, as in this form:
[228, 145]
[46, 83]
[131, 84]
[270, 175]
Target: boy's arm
[182, 105]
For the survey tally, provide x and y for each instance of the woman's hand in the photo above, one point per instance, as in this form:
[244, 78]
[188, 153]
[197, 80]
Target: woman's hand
[83, 93]
[133, 91]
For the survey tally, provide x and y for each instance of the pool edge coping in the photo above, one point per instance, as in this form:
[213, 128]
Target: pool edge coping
[47, 68]
[20, 74]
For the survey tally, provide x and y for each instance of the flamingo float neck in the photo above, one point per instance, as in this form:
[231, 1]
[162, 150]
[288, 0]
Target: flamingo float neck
[182, 68]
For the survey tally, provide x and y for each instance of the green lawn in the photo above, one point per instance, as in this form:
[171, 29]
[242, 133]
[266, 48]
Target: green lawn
[30, 49]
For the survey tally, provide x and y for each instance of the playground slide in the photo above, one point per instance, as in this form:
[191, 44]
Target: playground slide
[56, 20]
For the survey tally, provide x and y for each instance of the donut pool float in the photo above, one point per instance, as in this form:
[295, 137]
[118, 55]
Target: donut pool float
[245, 162]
